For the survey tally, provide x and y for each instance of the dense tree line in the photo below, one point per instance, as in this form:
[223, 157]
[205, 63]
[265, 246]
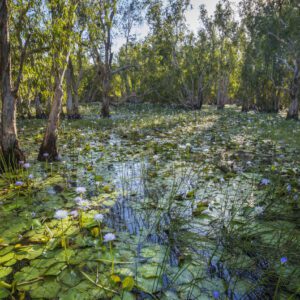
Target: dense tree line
[59, 53]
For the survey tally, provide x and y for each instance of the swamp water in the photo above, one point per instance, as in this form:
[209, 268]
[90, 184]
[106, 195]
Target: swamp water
[203, 206]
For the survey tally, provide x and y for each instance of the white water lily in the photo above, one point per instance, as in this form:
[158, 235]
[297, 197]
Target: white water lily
[259, 210]
[83, 204]
[61, 214]
[80, 190]
[98, 217]
[74, 213]
[109, 237]
[78, 199]
[265, 181]
[26, 165]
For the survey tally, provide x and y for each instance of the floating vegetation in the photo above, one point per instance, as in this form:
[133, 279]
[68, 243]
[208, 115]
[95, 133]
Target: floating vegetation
[155, 204]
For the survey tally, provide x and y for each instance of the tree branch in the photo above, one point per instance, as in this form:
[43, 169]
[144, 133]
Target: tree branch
[123, 69]
[22, 59]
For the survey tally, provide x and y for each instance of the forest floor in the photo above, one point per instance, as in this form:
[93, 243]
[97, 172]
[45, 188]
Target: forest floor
[203, 205]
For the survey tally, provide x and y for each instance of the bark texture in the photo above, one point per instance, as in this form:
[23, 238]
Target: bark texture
[39, 114]
[11, 153]
[70, 111]
[222, 92]
[75, 83]
[293, 112]
[48, 150]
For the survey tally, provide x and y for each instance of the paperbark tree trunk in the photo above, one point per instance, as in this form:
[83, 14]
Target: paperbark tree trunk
[48, 150]
[245, 105]
[11, 153]
[222, 92]
[75, 86]
[293, 112]
[70, 111]
[200, 97]
[39, 114]
[105, 98]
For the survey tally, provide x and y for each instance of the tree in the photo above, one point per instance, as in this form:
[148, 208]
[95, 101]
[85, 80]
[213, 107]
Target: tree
[225, 27]
[11, 153]
[102, 19]
[63, 15]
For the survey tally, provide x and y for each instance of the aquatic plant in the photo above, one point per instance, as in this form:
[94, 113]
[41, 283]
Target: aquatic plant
[61, 215]
[110, 237]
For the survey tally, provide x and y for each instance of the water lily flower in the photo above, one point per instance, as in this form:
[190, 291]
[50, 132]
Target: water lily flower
[74, 213]
[216, 294]
[265, 181]
[259, 210]
[61, 214]
[19, 183]
[109, 237]
[155, 157]
[98, 217]
[283, 260]
[26, 166]
[83, 204]
[78, 199]
[80, 190]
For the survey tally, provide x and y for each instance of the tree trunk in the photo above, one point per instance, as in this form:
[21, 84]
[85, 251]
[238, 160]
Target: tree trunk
[276, 101]
[48, 150]
[75, 86]
[245, 105]
[222, 92]
[200, 97]
[105, 113]
[9, 141]
[76, 105]
[293, 112]
[38, 107]
[70, 111]
[48, 106]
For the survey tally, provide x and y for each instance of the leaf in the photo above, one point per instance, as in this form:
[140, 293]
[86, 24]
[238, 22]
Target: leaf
[128, 283]
[48, 289]
[95, 231]
[4, 271]
[107, 189]
[190, 194]
[7, 257]
[4, 293]
[115, 278]
[27, 274]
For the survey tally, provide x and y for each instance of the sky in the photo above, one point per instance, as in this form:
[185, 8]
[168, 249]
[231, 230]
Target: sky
[192, 17]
